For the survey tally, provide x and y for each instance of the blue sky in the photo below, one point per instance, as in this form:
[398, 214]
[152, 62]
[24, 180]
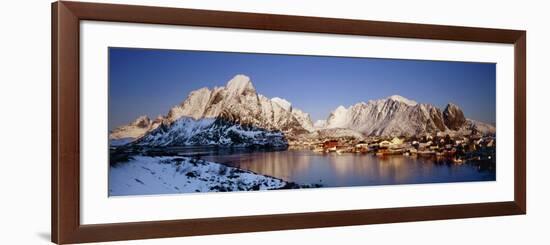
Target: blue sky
[149, 81]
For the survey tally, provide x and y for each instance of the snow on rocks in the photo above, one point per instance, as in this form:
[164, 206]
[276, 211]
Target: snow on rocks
[133, 130]
[194, 106]
[396, 116]
[209, 131]
[239, 103]
[320, 124]
[128, 133]
[339, 118]
[282, 103]
[239, 85]
[402, 99]
[144, 175]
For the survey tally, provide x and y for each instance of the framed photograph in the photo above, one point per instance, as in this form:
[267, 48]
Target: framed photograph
[177, 122]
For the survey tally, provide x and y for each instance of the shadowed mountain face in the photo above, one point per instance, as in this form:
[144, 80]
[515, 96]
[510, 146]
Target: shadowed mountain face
[453, 117]
[187, 131]
[236, 114]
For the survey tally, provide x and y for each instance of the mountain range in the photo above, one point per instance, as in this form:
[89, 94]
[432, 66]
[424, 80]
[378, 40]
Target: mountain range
[396, 115]
[236, 114]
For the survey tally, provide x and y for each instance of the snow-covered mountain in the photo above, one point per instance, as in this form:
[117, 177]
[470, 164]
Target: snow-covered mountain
[128, 133]
[237, 102]
[135, 129]
[320, 124]
[236, 114]
[396, 115]
[187, 131]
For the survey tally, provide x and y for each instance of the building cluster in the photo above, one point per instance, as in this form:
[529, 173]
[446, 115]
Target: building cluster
[455, 148]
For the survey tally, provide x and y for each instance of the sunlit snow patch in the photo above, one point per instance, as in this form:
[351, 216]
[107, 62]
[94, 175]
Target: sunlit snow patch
[144, 175]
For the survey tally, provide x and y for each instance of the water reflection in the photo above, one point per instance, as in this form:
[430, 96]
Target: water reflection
[332, 170]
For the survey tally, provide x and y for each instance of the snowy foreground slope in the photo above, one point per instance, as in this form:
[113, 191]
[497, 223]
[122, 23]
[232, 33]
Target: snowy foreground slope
[144, 175]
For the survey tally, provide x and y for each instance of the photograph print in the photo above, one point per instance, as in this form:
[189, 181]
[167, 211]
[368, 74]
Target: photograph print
[202, 121]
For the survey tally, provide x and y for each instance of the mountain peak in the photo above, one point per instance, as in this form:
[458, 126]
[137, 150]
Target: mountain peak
[340, 108]
[282, 103]
[453, 116]
[239, 84]
[142, 121]
[402, 99]
[451, 106]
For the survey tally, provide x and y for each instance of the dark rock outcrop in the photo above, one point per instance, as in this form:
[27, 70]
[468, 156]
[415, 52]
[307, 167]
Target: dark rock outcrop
[453, 117]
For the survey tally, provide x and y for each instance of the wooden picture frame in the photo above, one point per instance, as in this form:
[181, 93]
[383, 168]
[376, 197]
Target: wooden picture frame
[66, 226]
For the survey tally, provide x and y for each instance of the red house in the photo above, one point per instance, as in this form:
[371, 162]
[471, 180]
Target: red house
[330, 144]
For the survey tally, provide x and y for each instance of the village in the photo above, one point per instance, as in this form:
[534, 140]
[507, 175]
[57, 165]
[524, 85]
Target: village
[458, 148]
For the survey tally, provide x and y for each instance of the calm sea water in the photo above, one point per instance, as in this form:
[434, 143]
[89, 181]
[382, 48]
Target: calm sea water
[333, 170]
